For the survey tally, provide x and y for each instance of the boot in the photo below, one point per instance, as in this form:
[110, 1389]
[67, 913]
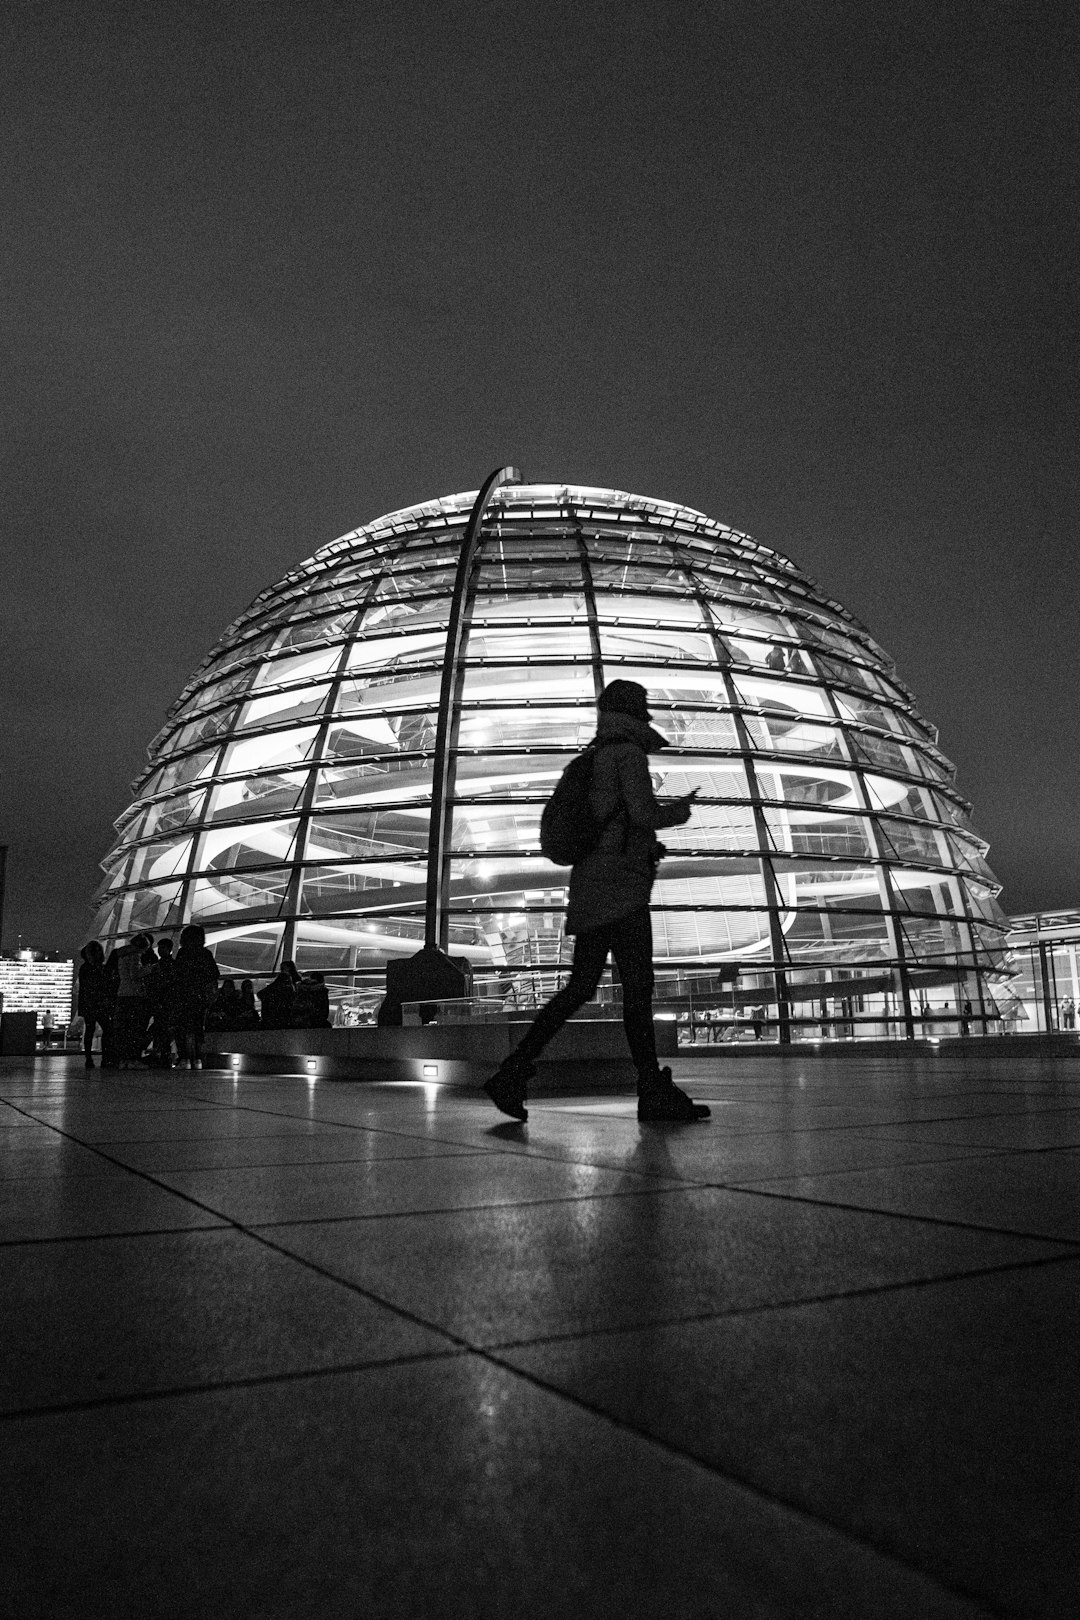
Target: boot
[506, 1088]
[659, 1098]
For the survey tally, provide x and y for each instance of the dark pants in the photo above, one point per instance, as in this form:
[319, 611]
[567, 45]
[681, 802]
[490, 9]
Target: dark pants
[630, 942]
[189, 1025]
[130, 1027]
[91, 1022]
[161, 1033]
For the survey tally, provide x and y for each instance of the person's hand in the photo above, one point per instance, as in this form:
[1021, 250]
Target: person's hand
[686, 805]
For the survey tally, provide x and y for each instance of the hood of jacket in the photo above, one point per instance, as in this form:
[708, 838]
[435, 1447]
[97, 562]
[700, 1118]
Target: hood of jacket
[612, 727]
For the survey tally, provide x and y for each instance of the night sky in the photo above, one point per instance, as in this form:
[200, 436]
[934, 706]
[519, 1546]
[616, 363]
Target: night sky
[270, 271]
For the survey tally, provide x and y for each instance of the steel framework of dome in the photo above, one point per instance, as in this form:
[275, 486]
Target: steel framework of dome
[358, 767]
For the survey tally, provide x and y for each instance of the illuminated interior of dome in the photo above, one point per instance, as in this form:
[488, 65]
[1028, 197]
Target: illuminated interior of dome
[288, 802]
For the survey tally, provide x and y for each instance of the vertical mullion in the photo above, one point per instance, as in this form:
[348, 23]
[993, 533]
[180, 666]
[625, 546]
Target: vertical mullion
[969, 925]
[893, 922]
[761, 828]
[1044, 977]
[199, 827]
[590, 609]
[290, 901]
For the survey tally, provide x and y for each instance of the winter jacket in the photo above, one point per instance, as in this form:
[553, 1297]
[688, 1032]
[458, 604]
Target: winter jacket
[277, 1002]
[194, 983]
[159, 984]
[93, 991]
[134, 971]
[616, 877]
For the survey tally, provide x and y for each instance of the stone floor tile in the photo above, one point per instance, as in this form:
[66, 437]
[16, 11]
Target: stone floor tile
[33, 1208]
[49, 1155]
[87, 1321]
[12, 1120]
[859, 1112]
[397, 1186]
[58, 1111]
[494, 1275]
[903, 1425]
[938, 1422]
[1037, 1194]
[213, 1124]
[710, 1152]
[323, 1147]
[427, 1490]
[1057, 1128]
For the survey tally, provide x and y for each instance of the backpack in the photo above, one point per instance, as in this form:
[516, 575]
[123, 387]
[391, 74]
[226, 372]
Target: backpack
[569, 829]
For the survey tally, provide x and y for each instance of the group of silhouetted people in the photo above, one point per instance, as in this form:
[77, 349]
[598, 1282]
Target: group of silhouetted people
[146, 1000]
[295, 1001]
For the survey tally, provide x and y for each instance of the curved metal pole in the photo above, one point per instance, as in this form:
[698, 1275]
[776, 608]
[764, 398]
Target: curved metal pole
[436, 921]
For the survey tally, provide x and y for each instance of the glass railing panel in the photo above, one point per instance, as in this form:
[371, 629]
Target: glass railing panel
[228, 894]
[331, 888]
[351, 835]
[808, 832]
[163, 858]
[276, 708]
[297, 668]
[354, 735]
[240, 799]
[260, 843]
[279, 749]
[252, 950]
[374, 782]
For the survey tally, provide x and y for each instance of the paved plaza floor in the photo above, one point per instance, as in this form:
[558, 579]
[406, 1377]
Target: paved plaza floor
[281, 1348]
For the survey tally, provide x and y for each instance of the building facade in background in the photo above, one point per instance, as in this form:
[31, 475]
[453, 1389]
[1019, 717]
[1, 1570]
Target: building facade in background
[1044, 953]
[360, 763]
[30, 982]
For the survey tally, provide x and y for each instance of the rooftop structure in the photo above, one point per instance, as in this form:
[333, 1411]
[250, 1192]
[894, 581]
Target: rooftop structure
[359, 765]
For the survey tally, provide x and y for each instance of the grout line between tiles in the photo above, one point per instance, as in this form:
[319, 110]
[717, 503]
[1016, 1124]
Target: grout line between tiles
[765, 1308]
[760, 1492]
[218, 1224]
[461, 1345]
[680, 1186]
[492, 1355]
[896, 1214]
[139, 1397]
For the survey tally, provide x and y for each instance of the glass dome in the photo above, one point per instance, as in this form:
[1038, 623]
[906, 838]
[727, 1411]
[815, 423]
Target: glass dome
[360, 763]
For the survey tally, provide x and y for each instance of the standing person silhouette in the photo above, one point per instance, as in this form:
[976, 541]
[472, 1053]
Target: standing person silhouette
[194, 987]
[160, 984]
[93, 1003]
[608, 913]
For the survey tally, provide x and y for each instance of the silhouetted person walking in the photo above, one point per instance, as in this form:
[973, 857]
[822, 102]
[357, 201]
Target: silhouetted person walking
[608, 913]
